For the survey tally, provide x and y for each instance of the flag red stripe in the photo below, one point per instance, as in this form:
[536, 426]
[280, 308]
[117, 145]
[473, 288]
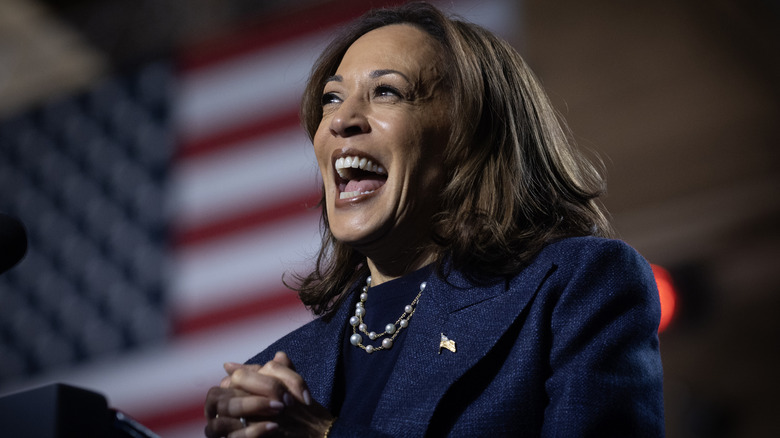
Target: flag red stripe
[177, 416]
[252, 219]
[229, 138]
[273, 30]
[236, 311]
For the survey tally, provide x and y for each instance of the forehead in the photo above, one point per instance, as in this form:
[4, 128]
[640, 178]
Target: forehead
[399, 46]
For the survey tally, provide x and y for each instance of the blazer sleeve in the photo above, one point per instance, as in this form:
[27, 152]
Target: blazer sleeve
[606, 377]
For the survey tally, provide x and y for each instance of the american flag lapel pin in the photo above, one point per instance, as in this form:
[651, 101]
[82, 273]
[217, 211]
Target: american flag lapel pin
[447, 344]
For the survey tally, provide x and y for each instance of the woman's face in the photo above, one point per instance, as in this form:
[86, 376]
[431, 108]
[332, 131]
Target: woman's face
[381, 139]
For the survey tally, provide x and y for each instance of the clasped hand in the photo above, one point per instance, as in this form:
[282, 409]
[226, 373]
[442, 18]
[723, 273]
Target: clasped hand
[272, 400]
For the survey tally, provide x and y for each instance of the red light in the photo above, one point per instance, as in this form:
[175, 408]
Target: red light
[667, 294]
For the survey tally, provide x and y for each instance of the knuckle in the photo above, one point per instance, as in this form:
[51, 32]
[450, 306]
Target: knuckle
[238, 374]
[270, 366]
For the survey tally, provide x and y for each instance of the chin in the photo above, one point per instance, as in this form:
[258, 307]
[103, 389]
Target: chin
[353, 236]
[357, 231]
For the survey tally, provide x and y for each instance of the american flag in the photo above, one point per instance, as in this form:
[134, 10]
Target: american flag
[163, 207]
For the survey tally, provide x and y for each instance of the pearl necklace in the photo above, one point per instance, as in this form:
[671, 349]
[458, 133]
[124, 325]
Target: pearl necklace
[391, 329]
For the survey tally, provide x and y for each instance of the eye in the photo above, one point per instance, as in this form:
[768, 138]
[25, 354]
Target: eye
[387, 91]
[329, 98]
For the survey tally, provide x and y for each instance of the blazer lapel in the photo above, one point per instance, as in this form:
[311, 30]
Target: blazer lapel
[319, 359]
[474, 318]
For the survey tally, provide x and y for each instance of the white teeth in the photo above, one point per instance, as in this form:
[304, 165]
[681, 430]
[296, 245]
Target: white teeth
[357, 163]
[344, 195]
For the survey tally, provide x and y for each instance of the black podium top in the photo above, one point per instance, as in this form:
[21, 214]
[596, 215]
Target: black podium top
[64, 411]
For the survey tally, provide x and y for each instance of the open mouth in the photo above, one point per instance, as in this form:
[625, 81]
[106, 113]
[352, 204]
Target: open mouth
[358, 176]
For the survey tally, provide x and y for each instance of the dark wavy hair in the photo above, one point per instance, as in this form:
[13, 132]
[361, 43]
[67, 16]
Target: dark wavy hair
[515, 182]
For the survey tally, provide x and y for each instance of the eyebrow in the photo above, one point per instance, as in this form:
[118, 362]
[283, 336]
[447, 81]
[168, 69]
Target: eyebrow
[377, 73]
[374, 74]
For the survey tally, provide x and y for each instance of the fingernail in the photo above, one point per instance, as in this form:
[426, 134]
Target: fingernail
[276, 405]
[288, 399]
[271, 426]
[306, 397]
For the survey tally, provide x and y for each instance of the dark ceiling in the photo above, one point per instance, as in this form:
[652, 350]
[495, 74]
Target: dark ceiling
[129, 31]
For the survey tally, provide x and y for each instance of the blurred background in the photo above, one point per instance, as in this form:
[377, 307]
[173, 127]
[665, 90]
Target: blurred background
[152, 150]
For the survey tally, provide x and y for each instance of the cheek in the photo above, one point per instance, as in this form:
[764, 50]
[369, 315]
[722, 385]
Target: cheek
[320, 152]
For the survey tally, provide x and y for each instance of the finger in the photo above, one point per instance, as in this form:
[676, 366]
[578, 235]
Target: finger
[222, 426]
[254, 430]
[292, 380]
[225, 382]
[252, 406]
[230, 367]
[282, 358]
[258, 384]
[213, 398]
[210, 407]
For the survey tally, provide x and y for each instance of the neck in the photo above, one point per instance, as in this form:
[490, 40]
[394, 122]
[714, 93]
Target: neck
[382, 271]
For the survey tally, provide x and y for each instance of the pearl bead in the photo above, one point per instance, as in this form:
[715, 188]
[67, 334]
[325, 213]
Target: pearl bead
[391, 329]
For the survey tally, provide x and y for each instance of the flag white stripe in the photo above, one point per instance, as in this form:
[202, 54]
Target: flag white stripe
[251, 87]
[261, 171]
[225, 270]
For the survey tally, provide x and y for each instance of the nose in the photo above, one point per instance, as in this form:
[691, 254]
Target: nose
[349, 119]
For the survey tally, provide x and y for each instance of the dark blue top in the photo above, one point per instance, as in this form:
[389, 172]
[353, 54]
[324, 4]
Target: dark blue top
[363, 376]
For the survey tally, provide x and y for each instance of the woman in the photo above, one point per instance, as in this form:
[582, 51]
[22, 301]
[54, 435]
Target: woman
[464, 284]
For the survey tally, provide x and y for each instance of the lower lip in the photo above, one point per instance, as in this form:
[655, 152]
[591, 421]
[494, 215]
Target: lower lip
[357, 198]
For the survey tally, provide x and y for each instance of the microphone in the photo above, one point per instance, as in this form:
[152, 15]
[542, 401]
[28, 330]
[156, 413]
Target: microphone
[13, 242]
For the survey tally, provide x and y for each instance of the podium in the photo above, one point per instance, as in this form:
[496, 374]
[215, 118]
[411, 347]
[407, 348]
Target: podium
[63, 411]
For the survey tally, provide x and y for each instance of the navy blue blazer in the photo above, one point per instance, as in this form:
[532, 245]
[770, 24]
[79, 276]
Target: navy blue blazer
[567, 348]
